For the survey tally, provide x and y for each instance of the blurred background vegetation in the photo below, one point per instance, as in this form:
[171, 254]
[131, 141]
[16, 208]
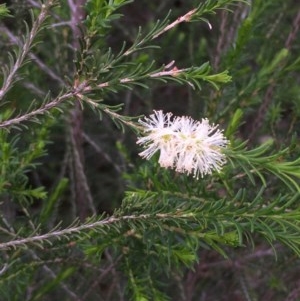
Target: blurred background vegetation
[258, 43]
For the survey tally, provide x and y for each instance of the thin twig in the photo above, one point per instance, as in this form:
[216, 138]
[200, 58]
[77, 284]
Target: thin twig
[52, 275]
[174, 72]
[293, 34]
[40, 111]
[58, 234]
[262, 111]
[185, 18]
[15, 40]
[81, 179]
[100, 151]
[48, 270]
[105, 273]
[8, 81]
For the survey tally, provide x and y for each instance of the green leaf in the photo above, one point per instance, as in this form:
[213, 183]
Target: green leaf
[4, 11]
[52, 200]
[235, 122]
[52, 284]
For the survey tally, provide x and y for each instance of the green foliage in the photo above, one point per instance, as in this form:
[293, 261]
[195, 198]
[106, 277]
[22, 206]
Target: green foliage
[82, 218]
[4, 12]
[101, 13]
[17, 163]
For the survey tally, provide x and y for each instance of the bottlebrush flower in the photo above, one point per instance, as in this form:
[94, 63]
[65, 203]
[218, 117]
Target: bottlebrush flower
[186, 145]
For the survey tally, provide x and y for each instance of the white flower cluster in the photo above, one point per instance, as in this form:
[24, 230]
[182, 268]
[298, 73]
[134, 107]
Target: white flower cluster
[188, 146]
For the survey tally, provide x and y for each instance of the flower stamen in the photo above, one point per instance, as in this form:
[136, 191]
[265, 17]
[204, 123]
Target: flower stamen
[186, 145]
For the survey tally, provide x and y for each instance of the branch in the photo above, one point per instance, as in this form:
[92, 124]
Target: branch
[40, 111]
[185, 18]
[32, 56]
[239, 221]
[77, 229]
[174, 72]
[8, 81]
[60, 233]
